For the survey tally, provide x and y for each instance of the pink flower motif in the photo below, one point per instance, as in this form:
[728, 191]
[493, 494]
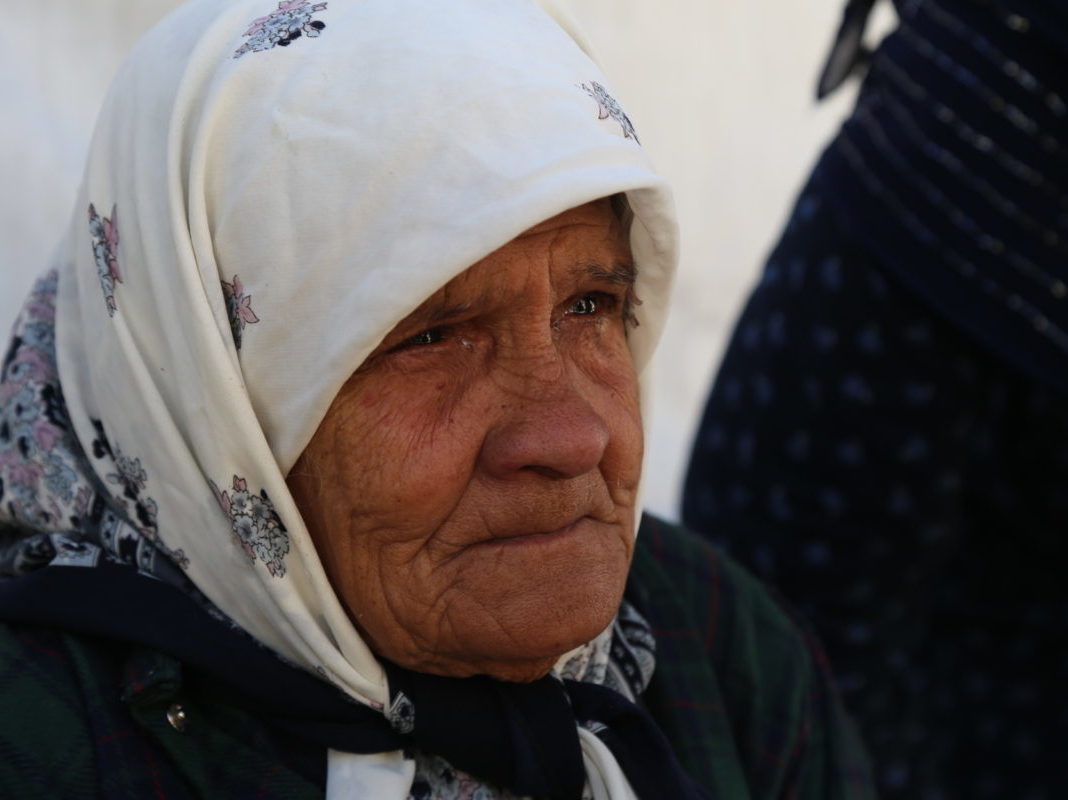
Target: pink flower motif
[23, 473]
[222, 498]
[467, 788]
[284, 6]
[46, 435]
[82, 500]
[255, 524]
[608, 107]
[244, 310]
[256, 26]
[108, 233]
[105, 233]
[291, 20]
[111, 237]
[35, 363]
[238, 309]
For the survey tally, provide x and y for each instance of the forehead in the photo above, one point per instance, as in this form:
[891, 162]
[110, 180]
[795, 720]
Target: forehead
[582, 243]
[588, 240]
[596, 214]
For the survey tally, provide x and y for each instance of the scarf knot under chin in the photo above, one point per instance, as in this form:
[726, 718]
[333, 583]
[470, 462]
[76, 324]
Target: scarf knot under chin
[524, 735]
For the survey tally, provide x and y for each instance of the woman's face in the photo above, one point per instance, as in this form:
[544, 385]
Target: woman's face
[471, 490]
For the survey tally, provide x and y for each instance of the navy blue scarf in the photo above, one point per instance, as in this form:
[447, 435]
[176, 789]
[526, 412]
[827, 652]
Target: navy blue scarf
[519, 736]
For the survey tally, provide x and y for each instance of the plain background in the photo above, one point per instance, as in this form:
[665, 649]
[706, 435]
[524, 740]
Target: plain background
[721, 93]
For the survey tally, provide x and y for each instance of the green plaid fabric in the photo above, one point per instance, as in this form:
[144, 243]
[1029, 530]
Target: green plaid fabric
[739, 690]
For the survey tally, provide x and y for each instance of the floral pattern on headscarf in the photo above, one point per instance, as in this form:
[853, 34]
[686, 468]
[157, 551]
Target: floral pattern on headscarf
[291, 20]
[255, 523]
[238, 309]
[37, 485]
[130, 478]
[47, 482]
[608, 107]
[105, 233]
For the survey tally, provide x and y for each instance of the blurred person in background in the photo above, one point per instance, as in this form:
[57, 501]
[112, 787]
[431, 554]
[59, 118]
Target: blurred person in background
[887, 437]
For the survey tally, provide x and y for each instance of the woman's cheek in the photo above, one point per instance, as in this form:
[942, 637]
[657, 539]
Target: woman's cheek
[424, 425]
[609, 368]
[604, 358]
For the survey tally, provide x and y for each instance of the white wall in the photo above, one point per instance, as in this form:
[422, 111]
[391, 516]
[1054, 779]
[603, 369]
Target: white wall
[719, 90]
[57, 58]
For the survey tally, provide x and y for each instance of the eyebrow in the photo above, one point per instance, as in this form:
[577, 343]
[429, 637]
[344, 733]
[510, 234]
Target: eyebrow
[622, 273]
[432, 314]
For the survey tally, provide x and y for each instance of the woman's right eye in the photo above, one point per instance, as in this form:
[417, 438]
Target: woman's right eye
[423, 338]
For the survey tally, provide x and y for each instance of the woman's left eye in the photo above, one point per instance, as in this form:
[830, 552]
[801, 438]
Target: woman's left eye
[423, 338]
[590, 304]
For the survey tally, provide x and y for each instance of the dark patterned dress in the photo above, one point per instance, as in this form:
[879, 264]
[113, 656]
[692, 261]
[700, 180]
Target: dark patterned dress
[887, 437]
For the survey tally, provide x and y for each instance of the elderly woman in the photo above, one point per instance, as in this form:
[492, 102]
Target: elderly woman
[321, 448]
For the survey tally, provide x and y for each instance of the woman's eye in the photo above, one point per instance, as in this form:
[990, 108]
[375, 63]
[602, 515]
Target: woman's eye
[586, 305]
[594, 304]
[423, 338]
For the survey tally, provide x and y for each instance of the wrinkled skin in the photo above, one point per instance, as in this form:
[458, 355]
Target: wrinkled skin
[471, 490]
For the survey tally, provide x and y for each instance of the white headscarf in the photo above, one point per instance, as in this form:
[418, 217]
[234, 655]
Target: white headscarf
[259, 209]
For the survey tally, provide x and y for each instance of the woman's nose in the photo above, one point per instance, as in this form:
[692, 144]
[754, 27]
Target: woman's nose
[555, 432]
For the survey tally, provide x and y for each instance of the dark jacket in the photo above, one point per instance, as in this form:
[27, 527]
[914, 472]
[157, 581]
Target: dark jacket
[740, 691]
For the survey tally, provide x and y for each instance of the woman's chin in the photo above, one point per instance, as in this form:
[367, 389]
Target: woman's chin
[518, 643]
[506, 611]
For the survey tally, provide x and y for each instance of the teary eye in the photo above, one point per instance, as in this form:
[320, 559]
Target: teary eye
[586, 305]
[423, 338]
